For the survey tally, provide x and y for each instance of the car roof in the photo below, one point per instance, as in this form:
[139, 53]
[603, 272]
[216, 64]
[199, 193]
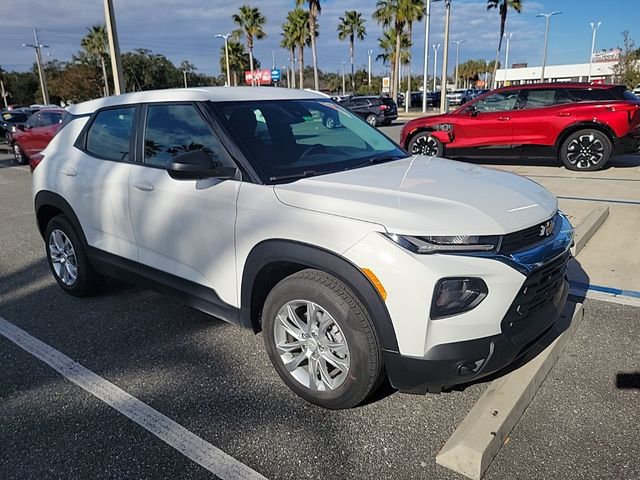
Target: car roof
[197, 94]
[582, 85]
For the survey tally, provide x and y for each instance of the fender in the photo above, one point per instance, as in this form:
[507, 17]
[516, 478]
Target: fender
[441, 135]
[47, 199]
[586, 124]
[270, 252]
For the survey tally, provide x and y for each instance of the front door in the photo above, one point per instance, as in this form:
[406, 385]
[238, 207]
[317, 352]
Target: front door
[184, 227]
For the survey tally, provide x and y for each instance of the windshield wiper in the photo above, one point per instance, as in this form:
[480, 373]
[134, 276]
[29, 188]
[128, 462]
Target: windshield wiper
[374, 160]
[306, 173]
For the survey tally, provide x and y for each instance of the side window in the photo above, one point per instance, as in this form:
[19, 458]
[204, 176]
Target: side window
[498, 102]
[32, 121]
[174, 129]
[540, 98]
[591, 95]
[49, 118]
[110, 133]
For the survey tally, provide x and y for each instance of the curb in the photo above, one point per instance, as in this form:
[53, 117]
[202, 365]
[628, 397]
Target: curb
[588, 228]
[479, 437]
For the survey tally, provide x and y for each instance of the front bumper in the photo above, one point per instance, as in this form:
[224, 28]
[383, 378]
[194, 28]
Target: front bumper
[628, 144]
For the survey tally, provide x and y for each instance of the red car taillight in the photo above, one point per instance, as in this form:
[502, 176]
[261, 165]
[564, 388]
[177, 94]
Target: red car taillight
[34, 161]
[383, 107]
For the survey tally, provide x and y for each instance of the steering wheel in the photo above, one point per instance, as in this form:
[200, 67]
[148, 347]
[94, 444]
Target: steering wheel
[317, 147]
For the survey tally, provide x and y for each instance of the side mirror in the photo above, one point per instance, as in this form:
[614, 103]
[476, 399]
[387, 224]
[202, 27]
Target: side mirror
[197, 165]
[472, 111]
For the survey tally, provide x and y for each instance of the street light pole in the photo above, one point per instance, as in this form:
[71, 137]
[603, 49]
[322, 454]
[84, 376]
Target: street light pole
[435, 65]
[425, 67]
[41, 73]
[445, 57]
[506, 58]
[546, 39]
[369, 52]
[184, 74]
[114, 48]
[594, 27]
[343, 81]
[457, 42]
[226, 36]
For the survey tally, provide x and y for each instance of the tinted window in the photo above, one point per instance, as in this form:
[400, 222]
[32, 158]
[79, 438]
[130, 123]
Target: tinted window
[14, 117]
[498, 102]
[540, 98]
[630, 96]
[175, 129]
[110, 133]
[32, 121]
[590, 95]
[49, 118]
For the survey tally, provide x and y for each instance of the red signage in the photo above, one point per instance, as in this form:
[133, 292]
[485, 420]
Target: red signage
[261, 77]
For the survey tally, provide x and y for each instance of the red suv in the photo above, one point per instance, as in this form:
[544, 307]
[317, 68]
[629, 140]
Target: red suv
[35, 134]
[581, 124]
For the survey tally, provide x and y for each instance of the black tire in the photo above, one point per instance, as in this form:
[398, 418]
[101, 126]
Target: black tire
[87, 280]
[330, 122]
[586, 150]
[355, 327]
[19, 157]
[425, 144]
[372, 120]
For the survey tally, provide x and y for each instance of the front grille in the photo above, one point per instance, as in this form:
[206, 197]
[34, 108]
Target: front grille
[527, 238]
[538, 290]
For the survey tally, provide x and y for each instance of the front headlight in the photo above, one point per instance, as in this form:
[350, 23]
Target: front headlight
[446, 243]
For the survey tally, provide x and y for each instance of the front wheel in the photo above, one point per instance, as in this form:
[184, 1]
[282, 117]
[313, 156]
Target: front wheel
[321, 341]
[586, 150]
[426, 144]
[372, 120]
[18, 155]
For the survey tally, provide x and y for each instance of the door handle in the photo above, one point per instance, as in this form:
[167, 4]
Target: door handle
[144, 186]
[564, 114]
[504, 119]
[69, 172]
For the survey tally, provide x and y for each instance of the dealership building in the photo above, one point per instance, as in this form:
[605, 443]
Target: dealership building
[602, 71]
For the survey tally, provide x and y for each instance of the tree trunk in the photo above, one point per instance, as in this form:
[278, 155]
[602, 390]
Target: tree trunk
[104, 76]
[301, 64]
[235, 78]
[396, 67]
[314, 54]
[503, 21]
[293, 68]
[353, 73]
[407, 101]
[253, 83]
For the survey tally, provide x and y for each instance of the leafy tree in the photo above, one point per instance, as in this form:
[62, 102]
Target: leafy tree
[314, 11]
[503, 7]
[413, 11]
[96, 43]
[351, 26]
[75, 82]
[21, 86]
[145, 70]
[627, 69]
[250, 22]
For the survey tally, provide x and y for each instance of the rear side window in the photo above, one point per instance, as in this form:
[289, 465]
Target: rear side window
[590, 95]
[49, 118]
[540, 98]
[109, 135]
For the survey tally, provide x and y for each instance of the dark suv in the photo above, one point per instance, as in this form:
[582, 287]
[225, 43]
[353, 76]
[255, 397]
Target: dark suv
[581, 124]
[375, 110]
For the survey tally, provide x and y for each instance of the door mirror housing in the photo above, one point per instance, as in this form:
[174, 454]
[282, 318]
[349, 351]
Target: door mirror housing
[196, 165]
[472, 111]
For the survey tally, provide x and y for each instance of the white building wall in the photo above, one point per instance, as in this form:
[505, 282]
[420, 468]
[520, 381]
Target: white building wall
[578, 72]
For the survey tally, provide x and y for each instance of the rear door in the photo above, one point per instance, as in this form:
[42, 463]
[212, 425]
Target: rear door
[487, 129]
[28, 139]
[48, 125]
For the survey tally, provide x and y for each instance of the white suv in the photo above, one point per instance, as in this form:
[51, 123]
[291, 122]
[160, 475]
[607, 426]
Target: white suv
[356, 260]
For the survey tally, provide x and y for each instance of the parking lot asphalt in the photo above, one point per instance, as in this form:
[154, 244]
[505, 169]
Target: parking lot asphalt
[215, 380]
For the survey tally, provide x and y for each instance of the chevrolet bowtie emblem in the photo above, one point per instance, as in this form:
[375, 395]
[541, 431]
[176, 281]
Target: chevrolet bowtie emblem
[546, 229]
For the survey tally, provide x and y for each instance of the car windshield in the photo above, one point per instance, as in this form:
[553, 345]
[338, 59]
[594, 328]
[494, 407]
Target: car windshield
[288, 139]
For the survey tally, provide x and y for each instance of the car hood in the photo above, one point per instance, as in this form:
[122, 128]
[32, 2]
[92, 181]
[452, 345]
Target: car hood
[426, 196]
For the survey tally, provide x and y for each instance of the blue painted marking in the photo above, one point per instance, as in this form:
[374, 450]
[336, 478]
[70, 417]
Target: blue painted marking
[613, 291]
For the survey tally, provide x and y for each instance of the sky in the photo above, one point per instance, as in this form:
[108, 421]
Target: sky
[186, 30]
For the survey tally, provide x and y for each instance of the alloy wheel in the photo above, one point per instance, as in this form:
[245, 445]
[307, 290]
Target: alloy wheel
[311, 345]
[17, 153]
[585, 151]
[425, 145]
[63, 257]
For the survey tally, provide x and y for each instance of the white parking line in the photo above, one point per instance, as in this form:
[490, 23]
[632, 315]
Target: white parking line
[174, 434]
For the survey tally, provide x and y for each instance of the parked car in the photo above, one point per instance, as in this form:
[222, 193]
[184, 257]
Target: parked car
[354, 260]
[636, 90]
[581, 124]
[455, 98]
[376, 110]
[10, 120]
[433, 99]
[471, 94]
[35, 134]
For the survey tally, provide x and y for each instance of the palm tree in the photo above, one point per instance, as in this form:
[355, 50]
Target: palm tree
[387, 44]
[352, 26]
[299, 34]
[503, 7]
[414, 10]
[288, 42]
[250, 22]
[96, 43]
[238, 60]
[314, 11]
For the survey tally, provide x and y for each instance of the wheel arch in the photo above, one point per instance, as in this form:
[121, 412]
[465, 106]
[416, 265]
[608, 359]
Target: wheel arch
[594, 125]
[416, 131]
[48, 205]
[271, 261]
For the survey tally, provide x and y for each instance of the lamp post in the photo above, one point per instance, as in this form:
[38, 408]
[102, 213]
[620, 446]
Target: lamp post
[344, 89]
[457, 42]
[41, 73]
[506, 58]
[369, 52]
[445, 57]
[546, 39]
[435, 64]
[594, 27]
[226, 36]
[114, 48]
[427, 21]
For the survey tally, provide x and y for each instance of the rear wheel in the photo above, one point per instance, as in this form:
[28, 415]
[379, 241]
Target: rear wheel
[329, 122]
[321, 341]
[586, 150]
[426, 144]
[372, 120]
[18, 155]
